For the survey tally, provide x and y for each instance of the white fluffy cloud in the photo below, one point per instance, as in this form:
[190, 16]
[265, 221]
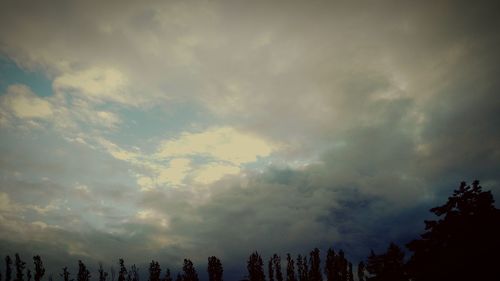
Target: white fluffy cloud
[223, 144]
[96, 84]
[21, 102]
[202, 157]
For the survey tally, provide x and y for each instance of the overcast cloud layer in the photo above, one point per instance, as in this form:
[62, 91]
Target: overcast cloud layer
[173, 129]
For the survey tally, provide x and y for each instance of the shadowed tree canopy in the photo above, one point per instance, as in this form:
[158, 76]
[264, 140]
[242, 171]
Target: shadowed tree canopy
[39, 269]
[123, 270]
[190, 273]
[315, 266]
[167, 276]
[463, 243]
[20, 266]
[102, 275]
[214, 269]
[8, 268]
[290, 269]
[255, 267]
[389, 266]
[65, 274]
[154, 271]
[83, 273]
[302, 269]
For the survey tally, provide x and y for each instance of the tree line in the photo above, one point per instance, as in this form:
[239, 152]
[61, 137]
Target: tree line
[462, 244]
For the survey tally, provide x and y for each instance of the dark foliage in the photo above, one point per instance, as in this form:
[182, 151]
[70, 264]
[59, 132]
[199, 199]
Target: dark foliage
[315, 266]
[20, 266]
[8, 268]
[65, 274]
[461, 243]
[102, 275]
[39, 268]
[154, 271]
[255, 268]
[123, 270]
[270, 269]
[302, 268]
[83, 272]
[214, 269]
[329, 265]
[277, 267]
[388, 266]
[190, 273]
[290, 269]
[167, 276]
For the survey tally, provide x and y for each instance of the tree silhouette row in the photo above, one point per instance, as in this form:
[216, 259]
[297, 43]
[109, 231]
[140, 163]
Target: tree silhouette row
[462, 244]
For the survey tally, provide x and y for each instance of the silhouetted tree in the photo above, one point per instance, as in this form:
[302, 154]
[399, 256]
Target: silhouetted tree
[167, 276]
[302, 268]
[461, 243]
[254, 267]
[290, 269]
[8, 268]
[154, 271]
[277, 267]
[329, 265]
[315, 266]
[270, 271]
[83, 273]
[65, 274]
[102, 274]
[28, 275]
[39, 268]
[123, 270]
[190, 273]
[388, 266]
[215, 270]
[20, 265]
[341, 266]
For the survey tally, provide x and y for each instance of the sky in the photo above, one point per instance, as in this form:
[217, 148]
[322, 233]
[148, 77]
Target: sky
[172, 129]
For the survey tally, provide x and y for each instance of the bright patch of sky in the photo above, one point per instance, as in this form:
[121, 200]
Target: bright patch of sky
[10, 74]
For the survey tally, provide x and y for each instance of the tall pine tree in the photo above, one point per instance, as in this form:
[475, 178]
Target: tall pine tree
[154, 271]
[83, 273]
[8, 268]
[122, 274]
[20, 266]
[290, 269]
[65, 274]
[277, 267]
[39, 268]
[255, 268]
[102, 274]
[190, 273]
[315, 266]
